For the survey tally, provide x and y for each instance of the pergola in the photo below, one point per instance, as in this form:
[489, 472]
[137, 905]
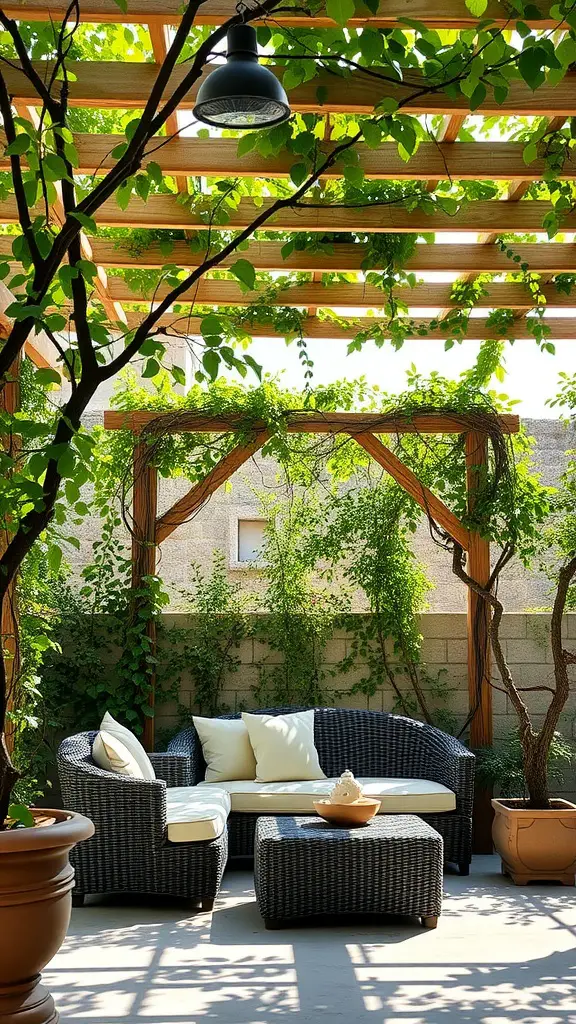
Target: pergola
[122, 85]
[127, 85]
[366, 429]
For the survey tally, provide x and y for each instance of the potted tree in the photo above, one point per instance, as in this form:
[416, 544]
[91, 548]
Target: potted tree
[534, 835]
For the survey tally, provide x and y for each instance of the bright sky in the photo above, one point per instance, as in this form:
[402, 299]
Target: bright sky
[531, 375]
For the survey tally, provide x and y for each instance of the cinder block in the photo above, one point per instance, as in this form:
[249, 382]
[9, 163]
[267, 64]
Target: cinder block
[451, 626]
[457, 651]
[571, 625]
[513, 627]
[334, 651]
[245, 651]
[525, 652]
[433, 650]
[264, 656]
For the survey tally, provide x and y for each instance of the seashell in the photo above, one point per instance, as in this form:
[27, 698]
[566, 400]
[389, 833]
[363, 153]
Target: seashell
[346, 790]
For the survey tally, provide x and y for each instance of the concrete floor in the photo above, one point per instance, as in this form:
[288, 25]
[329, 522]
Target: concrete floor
[500, 955]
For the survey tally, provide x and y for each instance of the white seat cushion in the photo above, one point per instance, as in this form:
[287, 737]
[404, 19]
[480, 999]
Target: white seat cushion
[398, 796]
[195, 815]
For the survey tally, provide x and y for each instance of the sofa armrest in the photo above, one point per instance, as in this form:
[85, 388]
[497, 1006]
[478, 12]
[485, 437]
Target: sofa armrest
[174, 769]
[451, 764]
[187, 742]
[124, 810]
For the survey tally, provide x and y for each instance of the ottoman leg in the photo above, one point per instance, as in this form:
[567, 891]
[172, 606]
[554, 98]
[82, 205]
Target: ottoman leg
[430, 922]
[207, 904]
[273, 925]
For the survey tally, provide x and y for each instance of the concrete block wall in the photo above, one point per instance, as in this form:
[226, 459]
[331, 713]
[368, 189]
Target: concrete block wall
[444, 650]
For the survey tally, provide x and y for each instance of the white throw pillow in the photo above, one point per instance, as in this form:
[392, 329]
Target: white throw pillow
[110, 754]
[284, 747]
[227, 749]
[109, 724]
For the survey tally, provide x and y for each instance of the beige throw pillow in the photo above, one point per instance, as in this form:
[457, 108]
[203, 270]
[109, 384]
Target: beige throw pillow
[128, 739]
[227, 749]
[284, 747]
[110, 754]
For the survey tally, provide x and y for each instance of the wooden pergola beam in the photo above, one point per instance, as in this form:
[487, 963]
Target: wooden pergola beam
[446, 14]
[116, 84]
[186, 507]
[209, 292]
[541, 257]
[182, 157]
[561, 328]
[408, 480]
[165, 211]
[297, 423]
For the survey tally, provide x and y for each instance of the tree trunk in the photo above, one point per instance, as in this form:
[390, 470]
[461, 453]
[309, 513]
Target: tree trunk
[535, 757]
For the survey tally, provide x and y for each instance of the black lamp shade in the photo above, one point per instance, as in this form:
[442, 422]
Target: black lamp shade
[241, 93]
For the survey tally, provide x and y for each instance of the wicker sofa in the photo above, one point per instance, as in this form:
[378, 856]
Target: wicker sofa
[372, 744]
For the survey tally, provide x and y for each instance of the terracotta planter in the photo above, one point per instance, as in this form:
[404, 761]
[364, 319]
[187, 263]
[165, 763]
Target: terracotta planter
[536, 845]
[36, 881]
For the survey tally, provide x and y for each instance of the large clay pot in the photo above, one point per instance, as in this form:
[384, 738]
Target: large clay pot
[36, 881]
[536, 845]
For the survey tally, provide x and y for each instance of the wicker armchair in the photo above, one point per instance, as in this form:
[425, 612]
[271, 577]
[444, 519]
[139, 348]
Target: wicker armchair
[372, 744]
[129, 851]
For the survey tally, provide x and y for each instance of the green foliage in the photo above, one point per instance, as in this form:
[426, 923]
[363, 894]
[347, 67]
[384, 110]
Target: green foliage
[299, 618]
[502, 765]
[208, 649]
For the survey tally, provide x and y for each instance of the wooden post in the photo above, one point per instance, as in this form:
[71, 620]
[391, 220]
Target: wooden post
[479, 688]
[144, 505]
[10, 402]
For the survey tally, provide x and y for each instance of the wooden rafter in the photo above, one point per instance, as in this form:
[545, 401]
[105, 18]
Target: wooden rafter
[445, 14]
[186, 507]
[499, 161]
[411, 484]
[543, 257]
[128, 85]
[501, 295]
[479, 329]
[298, 423]
[165, 211]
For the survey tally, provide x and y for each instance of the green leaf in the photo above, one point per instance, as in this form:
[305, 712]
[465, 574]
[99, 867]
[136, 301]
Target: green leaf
[298, 174]
[87, 222]
[54, 556]
[19, 146]
[476, 7]
[211, 325]
[372, 133]
[46, 375]
[179, 375]
[247, 143]
[155, 172]
[244, 271]
[340, 10]
[21, 813]
[211, 363]
[151, 368]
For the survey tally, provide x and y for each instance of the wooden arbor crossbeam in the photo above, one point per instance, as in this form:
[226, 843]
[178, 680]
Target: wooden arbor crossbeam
[445, 14]
[150, 530]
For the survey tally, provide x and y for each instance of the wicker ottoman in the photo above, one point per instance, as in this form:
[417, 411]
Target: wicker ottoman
[303, 867]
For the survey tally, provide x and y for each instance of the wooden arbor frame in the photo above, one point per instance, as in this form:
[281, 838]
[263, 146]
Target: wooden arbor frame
[149, 529]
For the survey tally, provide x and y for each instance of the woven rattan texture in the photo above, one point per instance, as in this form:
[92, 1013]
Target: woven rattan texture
[374, 744]
[303, 867]
[129, 851]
